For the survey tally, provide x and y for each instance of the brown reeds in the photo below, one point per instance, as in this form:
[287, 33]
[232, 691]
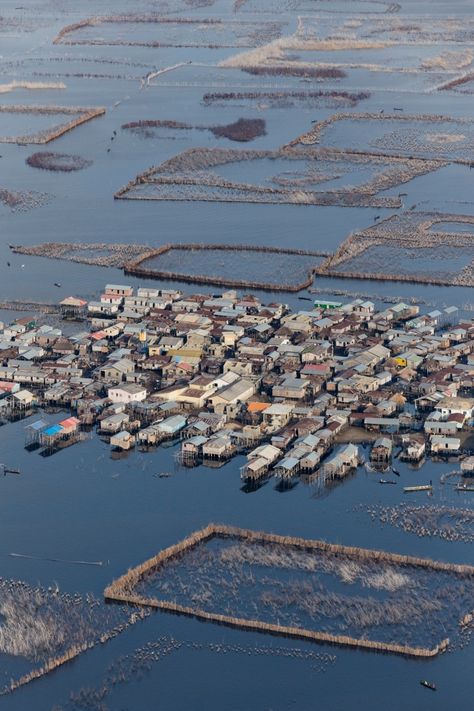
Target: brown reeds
[122, 589]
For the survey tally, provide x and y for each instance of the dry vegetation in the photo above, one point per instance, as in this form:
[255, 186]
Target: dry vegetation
[49, 628]
[32, 85]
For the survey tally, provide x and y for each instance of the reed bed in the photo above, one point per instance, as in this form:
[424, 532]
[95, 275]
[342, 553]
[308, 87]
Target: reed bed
[82, 115]
[49, 628]
[57, 162]
[284, 551]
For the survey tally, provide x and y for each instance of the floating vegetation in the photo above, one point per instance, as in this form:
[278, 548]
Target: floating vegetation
[405, 247]
[62, 162]
[291, 586]
[447, 522]
[222, 175]
[46, 627]
[45, 135]
[242, 130]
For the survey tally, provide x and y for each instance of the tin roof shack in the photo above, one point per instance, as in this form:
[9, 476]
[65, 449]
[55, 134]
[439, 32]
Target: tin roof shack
[171, 427]
[113, 423]
[61, 435]
[219, 447]
[277, 416]
[445, 445]
[381, 451]
[33, 432]
[340, 464]
[287, 468]
[413, 448]
[456, 405]
[291, 388]
[191, 448]
[73, 308]
[122, 441]
[259, 461]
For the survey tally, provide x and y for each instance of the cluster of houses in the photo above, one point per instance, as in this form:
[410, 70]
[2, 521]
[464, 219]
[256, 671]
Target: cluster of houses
[227, 374]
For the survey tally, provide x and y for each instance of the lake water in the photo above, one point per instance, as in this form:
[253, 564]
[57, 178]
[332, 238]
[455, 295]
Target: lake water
[82, 504]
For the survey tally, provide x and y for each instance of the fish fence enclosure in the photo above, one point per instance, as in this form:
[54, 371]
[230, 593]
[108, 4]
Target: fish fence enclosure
[224, 575]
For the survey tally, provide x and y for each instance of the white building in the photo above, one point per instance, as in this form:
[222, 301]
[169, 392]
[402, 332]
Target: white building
[128, 392]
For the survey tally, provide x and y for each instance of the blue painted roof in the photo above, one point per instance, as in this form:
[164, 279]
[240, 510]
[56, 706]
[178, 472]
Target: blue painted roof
[54, 429]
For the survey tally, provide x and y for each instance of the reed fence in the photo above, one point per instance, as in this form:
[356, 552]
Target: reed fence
[122, 589]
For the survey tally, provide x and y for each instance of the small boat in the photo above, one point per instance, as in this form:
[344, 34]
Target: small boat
[428, 684]
[424, 487]
[57, 283]
[304, 298]
[465, 487]
[386, 481]
[164, 475]
[395, 471]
